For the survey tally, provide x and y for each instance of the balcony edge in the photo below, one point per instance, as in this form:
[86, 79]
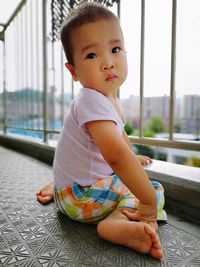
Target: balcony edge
[181, 183]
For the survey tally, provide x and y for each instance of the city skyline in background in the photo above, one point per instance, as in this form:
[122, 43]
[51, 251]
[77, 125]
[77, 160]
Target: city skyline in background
[37, 98]
[157, 49]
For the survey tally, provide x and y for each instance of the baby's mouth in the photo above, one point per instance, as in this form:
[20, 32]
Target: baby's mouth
[111, 77]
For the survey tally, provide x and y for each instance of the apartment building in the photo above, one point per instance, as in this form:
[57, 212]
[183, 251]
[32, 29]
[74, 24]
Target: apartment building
[187, 111]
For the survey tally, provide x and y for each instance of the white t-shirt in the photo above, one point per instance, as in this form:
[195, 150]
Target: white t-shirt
[77, 158]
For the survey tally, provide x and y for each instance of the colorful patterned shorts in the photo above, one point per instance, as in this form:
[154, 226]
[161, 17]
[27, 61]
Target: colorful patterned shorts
[93, 203]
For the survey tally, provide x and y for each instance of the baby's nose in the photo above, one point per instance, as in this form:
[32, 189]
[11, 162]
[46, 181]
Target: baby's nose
[108, 66]
[108, 63]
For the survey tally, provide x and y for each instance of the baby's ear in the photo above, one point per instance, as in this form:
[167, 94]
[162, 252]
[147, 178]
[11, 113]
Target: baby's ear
[71, 69]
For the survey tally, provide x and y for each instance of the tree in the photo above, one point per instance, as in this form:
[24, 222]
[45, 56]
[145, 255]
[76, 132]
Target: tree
[129, 128]
[193, 161]
[144, 150]
[177, 127]
[149, 133]
[156, 125]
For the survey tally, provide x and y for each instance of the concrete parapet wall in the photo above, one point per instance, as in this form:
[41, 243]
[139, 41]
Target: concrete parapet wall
[182, 187]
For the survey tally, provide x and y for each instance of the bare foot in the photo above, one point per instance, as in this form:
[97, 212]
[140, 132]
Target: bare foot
[135, 235]
[45, 195]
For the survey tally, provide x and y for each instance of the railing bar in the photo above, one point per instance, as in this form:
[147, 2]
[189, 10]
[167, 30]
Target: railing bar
[142, 44]
[14, 68]
[119, 17]
[62, 86]
[119, 9]
[4, 87]
[20, 68]
[173, 69]
[23, 67]
[72, 89]
[17, 65]
[32, 64]
[32, 129]
[187, 145]
[52, 88]
[26, 66]
[44, 50]
[37, 66]
[21, 76]
[14, 14]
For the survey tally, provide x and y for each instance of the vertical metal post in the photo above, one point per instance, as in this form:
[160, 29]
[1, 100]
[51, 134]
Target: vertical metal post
[119, 10]
[142, 40]
[4, 88]
[119, 17]
[37, 70]
[173, 69]
[27, 72]
[24, 39]
[62, 86]
[20, 124]
[52, 90]
[44, 50]
[32, 61]
[72, 89]
[17, 67]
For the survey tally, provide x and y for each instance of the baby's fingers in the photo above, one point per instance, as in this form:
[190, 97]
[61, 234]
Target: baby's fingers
[133, 216]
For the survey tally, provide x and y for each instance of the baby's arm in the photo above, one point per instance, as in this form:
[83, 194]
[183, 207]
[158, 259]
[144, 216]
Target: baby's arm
[144, 160]
[125, 164]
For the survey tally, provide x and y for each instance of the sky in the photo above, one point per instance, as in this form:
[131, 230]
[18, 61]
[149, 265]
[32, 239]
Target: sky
[6, 8]
[157, 46]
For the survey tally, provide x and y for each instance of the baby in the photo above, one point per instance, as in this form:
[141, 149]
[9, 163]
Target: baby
[97, 177]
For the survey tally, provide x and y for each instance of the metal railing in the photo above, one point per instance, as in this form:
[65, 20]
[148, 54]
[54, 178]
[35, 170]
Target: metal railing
[32, 101]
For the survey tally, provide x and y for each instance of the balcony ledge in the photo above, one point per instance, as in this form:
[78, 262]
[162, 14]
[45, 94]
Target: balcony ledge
[181, 183]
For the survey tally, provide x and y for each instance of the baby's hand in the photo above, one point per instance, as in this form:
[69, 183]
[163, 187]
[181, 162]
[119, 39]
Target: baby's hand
[143, 213]
[144, 160]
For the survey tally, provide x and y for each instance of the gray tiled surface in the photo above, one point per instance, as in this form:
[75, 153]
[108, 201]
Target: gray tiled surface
[36, 235]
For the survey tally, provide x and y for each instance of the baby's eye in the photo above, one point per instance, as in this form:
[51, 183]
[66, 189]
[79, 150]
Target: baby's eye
[116, 50]
[91, 56]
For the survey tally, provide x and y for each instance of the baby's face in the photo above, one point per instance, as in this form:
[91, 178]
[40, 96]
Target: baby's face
[99, 56]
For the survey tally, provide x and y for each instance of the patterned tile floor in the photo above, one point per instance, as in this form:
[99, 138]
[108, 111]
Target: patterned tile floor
[36, 235]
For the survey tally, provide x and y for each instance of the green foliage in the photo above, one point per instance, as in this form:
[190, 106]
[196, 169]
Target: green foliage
[145, 151]
[177, 127]
[193, 161]
[129, 128]
[149, 133]
[156, 125]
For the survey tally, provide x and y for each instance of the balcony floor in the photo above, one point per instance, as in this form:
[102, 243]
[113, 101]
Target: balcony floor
[35, 235]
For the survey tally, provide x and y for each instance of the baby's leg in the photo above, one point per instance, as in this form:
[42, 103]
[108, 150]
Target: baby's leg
[139, 236]
[45, 195]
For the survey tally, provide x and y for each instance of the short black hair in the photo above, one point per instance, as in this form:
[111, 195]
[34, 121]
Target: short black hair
[83, 14]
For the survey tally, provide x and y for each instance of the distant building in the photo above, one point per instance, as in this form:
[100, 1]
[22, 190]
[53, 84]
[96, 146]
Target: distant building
[131, 109]
[186, 111]
[153, 106]
[156, 107]
[190, 114]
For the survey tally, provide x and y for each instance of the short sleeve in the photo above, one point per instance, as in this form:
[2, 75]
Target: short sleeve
[92, 106]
